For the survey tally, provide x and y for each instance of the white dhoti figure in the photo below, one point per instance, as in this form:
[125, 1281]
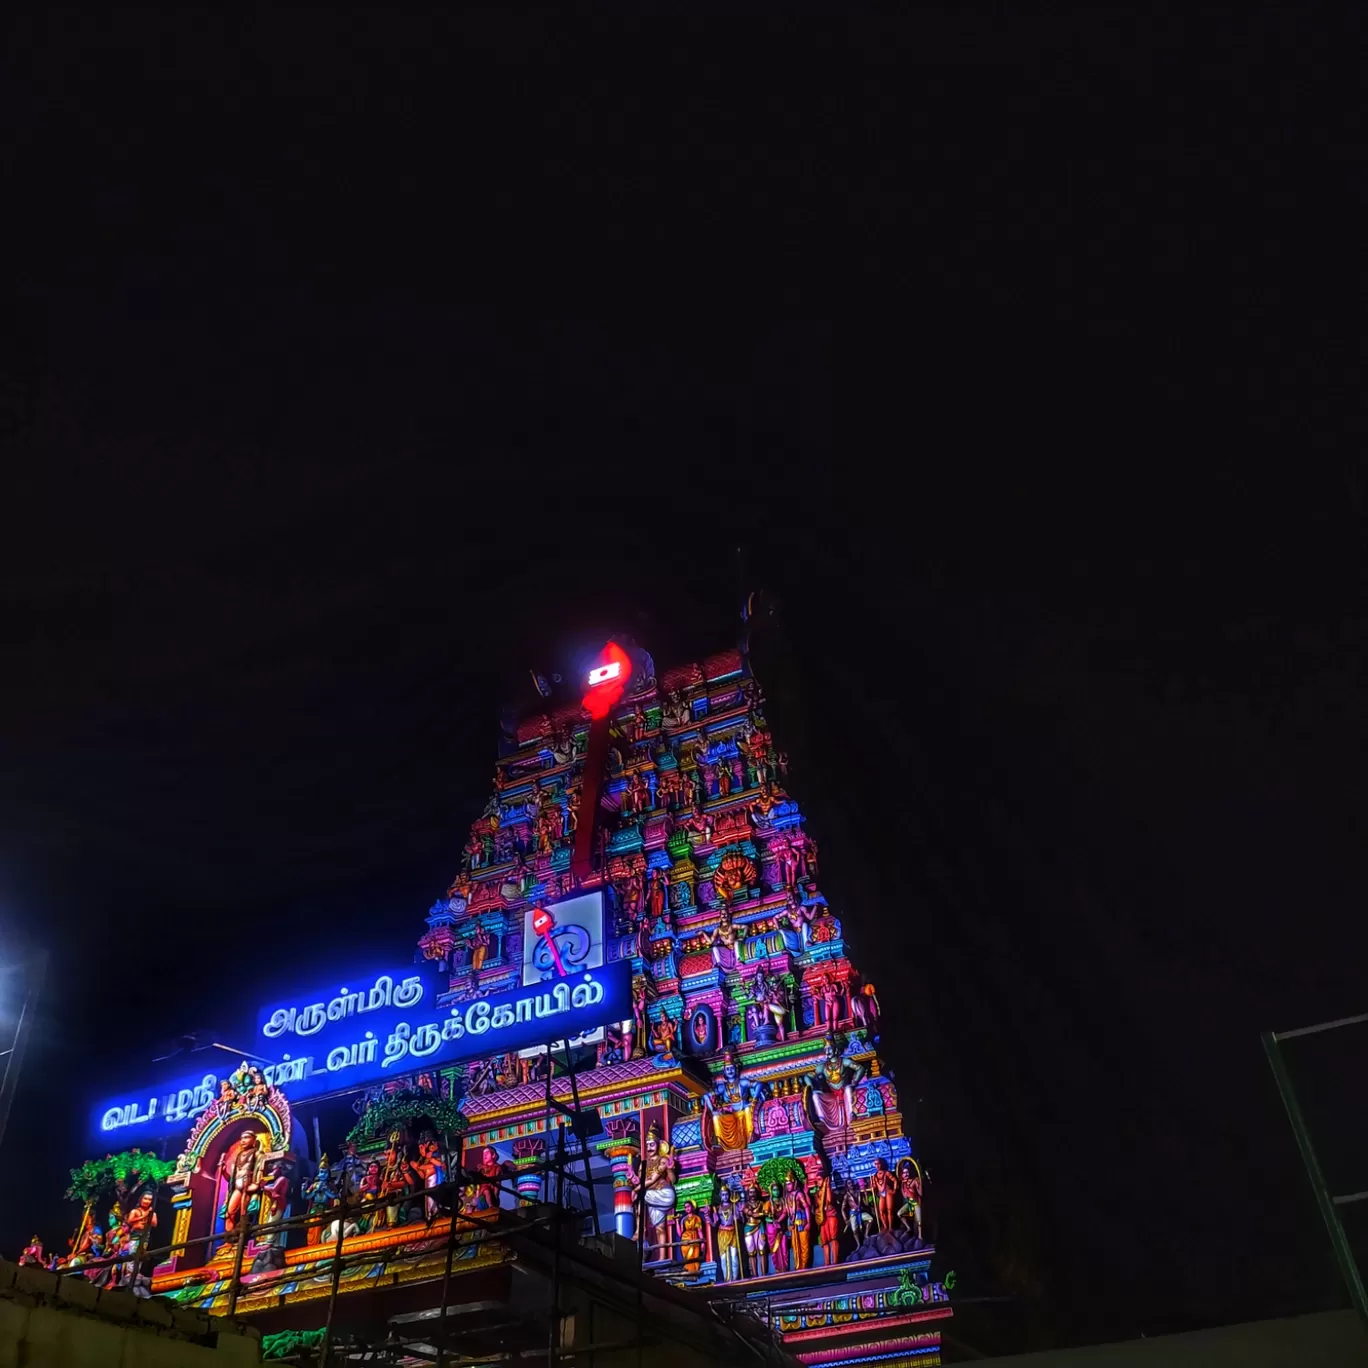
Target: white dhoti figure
[659, 1204]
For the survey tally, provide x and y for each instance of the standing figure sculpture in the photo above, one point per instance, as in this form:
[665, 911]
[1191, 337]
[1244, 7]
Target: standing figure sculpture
[770, 994]
[431, 1168]
[853, 1210]
[727, 1237]
[753, 1233]
[240, 1168]
[396, 1180]
[657, 895]
[799, 1211]
[320, 1195]
[657, 1178]
[910, 1187]
[884, 1186]
[826, 1219]
[691, 1239]
[643, 991]
[776, 1228]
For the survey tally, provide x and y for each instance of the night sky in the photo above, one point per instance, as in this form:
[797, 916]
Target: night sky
[360, 363]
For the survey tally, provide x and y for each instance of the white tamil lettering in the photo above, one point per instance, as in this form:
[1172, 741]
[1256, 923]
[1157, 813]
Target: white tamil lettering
[477, 1018]
[396, 1047]
[380, 994]
[282, 1020]
[409, 993]
[311, 1019]
[426, 1040]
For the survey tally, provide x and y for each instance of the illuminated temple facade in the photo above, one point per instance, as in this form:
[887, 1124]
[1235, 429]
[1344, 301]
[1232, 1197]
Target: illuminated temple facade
[746, 1137]
[751, 1133]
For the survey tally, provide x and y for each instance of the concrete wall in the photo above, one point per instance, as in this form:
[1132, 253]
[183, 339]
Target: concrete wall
[68, 1323]
[1327, 1339]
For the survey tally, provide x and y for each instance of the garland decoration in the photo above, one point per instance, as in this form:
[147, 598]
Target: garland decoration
[386, 1113]
[777, 1170]
[117, 1175]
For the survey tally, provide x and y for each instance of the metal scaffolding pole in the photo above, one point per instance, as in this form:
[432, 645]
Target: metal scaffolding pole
[1344, 1256]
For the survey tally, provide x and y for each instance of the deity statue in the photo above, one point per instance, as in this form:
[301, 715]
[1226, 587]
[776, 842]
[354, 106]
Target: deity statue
[864, 1005]
[776, 1228]
[799, 1211]
[473, 851]
[691, 1239]
[369, 1191]
[663, 1036]
[33, 1256]
[762, 805]
[491, 1172]
[275, 1193]
[675, 711]
[479, 940]
[142, 1220]
[657, 895]
[828, 1001]
[643, 993]
[349, 1172]
[639, 723]
[829, 1091]
[724, 778]
[884, 1186]
[753, 1233]
[258, 1089]
[756, 750]
[729, 1106]
[910, 1188]
[397, 1180]
[853, 1209]
[320, 1196]
[770, 994]
[799, 920]
[724, 940]
[726, 1237]
[240, 1168]
[826, 1219]
[430, 1168]
[657, 1177]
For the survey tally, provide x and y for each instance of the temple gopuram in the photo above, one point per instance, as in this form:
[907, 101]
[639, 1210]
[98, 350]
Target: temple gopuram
[632, 1003]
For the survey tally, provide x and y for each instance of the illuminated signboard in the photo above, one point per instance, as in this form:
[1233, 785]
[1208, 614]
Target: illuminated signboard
[368, 1030]
[561, 938]
[153, 1112]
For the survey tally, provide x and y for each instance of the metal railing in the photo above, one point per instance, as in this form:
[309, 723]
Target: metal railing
[465, 1230]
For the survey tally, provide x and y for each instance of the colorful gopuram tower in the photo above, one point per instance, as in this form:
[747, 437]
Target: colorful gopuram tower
[631, 1017]
[754, 1140]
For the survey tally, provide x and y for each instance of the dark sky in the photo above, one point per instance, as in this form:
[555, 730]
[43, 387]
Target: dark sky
[361, 362]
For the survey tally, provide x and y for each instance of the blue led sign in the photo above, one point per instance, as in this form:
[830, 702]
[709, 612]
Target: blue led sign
[373, 1029]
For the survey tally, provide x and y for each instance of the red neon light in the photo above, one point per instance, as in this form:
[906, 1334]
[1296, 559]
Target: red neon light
[607, 680]
[543, 923]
